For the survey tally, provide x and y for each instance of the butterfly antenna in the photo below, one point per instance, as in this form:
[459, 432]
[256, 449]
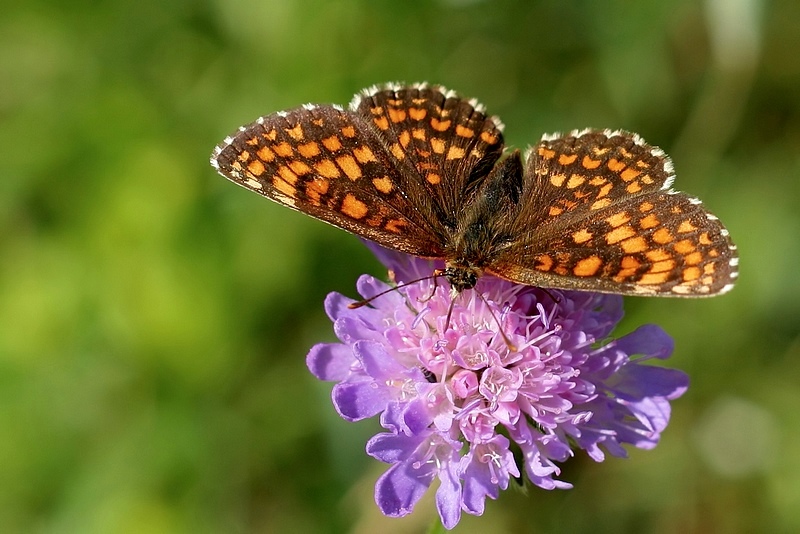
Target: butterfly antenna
[511, 346]
[366, 301]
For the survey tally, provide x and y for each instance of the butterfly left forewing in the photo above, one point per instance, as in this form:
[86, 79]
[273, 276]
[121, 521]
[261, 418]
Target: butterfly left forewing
[330, 164]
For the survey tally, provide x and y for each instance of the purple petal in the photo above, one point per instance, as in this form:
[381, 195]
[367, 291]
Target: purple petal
[401, 487]
[330, 361]
[358, 400]
[649, 340]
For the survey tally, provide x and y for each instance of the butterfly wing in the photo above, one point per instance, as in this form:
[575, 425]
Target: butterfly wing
[330, 164]
[393, 169]
[449, 142]
[597, 213]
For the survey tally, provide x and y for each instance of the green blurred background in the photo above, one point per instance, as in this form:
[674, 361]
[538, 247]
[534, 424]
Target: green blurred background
[154, 318]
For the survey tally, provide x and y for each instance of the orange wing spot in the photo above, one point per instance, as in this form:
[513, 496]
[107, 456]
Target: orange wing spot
[315, 188]
[661, 266]
[398, 151]
[327, 169]
[349, 131]
[588, 266]
[630, 262]
[634, 244]
[625, 153]
[686, 226]
[244, 156]
[348, 164]
[618, 234]
[463, 131]
[565, 159]
[417, 113]
[693, 258]
[363, 154]
[287, 174]
[600, 204]
[654, 278]
[651, 221]
[589, 163]
[353, 208]
[308, 150]
[615, 165]
[676, 210]
[555, 211]
[271, 135]
[684, 247]
[236, 165]
[318, 122]
[606, 189]
[629, 174]
[488, 138]
[253, 141]
[256, 168]
[708, 268]
[284, 187]
[395, 102]
[455, 153]
[476, 153]
[618, 219]
[384, 185]
[295, 133]
[381, 122]
[713, 253]
[707, 280]
[546, 153]
[377, 110]
[645, 206]
[418, 133]
[690, 274]
[419, 101]
[433, 178]
[633, 188]
[600, 151]
[704, 239]
[642, 164]
[253, 184]
[405, 138]
[597, 181]
[332, 143]
[375, 220]
[299, 168]
[423, 153]
[581, 236]
[646, 179]
[544, 263]
[397, 115]
[284, 150]
[662, 236]
[658, 254]
[395, 225]
[562, 270]
[437, 145]
[558, 179]
[438, 125]
[575, 180]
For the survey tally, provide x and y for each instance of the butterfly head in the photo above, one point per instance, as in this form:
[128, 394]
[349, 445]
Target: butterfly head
[460, 276]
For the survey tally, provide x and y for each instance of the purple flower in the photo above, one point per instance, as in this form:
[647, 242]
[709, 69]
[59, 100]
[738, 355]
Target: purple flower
[459, 401]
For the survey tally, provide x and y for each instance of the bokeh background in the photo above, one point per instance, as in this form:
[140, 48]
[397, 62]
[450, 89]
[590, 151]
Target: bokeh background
[154, 318]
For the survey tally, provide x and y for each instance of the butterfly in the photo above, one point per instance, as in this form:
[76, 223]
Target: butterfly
[421, 170]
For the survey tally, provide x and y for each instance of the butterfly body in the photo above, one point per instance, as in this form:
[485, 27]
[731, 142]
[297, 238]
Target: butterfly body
[420, 170]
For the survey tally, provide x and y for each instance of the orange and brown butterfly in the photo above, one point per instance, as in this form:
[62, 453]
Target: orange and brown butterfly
[418, 169]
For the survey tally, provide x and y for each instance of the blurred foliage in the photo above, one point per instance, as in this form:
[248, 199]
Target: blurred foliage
[154, 318]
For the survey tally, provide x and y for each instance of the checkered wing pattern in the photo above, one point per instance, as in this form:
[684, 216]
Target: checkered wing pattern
[597, 214]
[395, 168]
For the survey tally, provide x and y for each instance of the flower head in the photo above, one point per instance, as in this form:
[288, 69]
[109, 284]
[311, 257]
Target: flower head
[515, 370]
